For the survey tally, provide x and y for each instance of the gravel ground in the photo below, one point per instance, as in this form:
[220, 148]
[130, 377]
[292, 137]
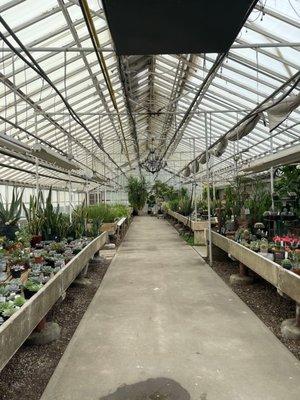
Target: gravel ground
[263, 299]
[28, 372]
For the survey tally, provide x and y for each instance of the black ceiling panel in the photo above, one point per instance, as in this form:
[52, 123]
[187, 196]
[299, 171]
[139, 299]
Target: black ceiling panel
[175, 26]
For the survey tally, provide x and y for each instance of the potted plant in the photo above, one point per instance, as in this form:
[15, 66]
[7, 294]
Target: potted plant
[264, 246]
[47, 270]
[10, 215]
[287, 264]
[30, 288]
[16, 270]
[19, 301]
[137, 193]
[7, 309]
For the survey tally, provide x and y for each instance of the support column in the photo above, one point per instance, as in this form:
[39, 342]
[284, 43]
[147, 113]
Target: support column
[96, 260]
[290, 328]
[199, 238]
[242, 278]
[82, 280]
[208, 193]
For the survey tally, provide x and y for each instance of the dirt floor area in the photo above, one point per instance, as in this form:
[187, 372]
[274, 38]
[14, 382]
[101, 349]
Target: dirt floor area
[28, 372]
[261, 297]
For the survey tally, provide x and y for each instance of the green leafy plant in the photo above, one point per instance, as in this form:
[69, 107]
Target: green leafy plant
[181, 202]
[8, 309]
[78, 224]
[32, 286]
[23, 236]
[19, 301]
[4, 290]
[258, 201]
[10, 214]
[34, 214]
[137, 192]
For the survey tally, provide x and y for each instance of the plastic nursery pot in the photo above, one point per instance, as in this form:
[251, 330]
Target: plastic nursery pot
[36, 239]
[15, 273]
[50, 262]
[9, 231]
[28, 293]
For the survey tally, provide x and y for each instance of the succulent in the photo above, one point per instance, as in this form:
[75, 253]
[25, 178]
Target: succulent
[8, 309]
[32, 285]
[19, 301]
[46, 270]
[287, 264]
[254, 245]
[3, 290]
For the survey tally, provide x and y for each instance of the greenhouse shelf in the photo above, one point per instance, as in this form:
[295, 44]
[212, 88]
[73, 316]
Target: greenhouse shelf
[15, 331]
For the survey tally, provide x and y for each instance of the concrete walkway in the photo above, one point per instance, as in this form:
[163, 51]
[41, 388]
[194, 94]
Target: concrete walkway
[164, 326]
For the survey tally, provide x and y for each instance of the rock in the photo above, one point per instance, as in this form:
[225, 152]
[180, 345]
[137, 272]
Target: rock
[289, 329]
[109, 246]
[242, 280]
[81, 282]
[50, 333]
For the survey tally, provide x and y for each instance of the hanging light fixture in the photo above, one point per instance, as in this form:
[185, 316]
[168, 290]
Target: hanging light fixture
[12, 144]
[46, 154]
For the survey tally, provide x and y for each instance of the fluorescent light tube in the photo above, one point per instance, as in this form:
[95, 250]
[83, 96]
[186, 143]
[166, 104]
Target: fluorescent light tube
[12, 144]
[52, 157]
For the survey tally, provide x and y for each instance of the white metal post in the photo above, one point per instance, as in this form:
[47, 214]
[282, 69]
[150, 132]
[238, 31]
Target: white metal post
[272, 176]
[70, 198]
[195, 185]
[208, 192]
[37, 185]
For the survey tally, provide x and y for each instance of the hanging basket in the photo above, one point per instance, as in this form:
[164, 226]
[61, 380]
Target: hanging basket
[243, 129]
[195, 166]
[220, 148]
[202, 159]
[187, 172]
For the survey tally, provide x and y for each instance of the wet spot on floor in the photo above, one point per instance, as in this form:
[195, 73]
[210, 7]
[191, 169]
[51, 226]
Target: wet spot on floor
[151, 389]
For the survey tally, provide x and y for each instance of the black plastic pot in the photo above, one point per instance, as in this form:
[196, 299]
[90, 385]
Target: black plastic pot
[15, 273]
[50, 262]
[9, 231]
[28, 293]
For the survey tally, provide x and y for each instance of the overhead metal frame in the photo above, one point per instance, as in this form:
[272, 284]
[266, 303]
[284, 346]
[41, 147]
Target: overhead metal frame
[234, 90]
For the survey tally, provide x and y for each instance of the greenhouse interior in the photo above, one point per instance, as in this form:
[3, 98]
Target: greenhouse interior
[150, 200]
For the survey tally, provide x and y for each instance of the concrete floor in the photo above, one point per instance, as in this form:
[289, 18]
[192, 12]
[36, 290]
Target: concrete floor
[163, 325]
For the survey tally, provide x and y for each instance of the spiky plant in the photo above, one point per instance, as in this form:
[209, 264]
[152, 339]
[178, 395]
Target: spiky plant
[34, 214]
[11, 213]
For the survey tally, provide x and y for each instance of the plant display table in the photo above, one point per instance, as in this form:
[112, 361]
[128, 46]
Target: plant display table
[285, 281]
[198, 227]
[19, 326]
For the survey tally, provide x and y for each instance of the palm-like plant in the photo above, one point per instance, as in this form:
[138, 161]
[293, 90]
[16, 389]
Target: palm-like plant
[137, 192]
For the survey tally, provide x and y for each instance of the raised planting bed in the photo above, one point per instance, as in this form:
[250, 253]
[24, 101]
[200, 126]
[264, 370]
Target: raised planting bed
[285, 281]
[20, 325]
[198, 227]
